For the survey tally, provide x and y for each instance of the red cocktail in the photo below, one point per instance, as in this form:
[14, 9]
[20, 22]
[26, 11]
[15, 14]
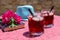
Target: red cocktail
[36, 25]
[48, 18]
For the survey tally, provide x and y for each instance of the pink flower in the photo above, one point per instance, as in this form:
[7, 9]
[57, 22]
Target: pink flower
[8, 14]
[16, 18]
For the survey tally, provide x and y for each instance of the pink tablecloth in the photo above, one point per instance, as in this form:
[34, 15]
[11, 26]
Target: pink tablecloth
[49, 34]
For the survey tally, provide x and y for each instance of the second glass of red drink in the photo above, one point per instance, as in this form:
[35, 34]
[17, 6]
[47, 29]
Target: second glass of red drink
[48, 18]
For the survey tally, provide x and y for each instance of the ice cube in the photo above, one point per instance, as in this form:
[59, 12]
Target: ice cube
[51, 13]
[44, 11]
[36, 18]
[45, 14]
[41, 18]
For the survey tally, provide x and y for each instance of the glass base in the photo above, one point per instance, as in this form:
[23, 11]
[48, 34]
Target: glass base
[36, 34]
[48, 26]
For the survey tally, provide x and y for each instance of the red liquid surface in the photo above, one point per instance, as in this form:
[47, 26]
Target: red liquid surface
[48, 19]
[35, 26]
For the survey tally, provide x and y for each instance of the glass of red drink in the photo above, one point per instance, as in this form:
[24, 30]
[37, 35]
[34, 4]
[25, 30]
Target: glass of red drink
[48, 18]
[36, 25]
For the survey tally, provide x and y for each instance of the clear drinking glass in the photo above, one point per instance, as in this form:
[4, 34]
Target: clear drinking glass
[36, 25]
[48, 18]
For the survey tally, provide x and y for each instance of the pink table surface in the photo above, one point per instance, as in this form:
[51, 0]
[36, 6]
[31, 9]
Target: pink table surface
[49, 34]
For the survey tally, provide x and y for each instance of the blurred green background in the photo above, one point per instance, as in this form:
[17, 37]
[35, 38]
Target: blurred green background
[37, 4]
